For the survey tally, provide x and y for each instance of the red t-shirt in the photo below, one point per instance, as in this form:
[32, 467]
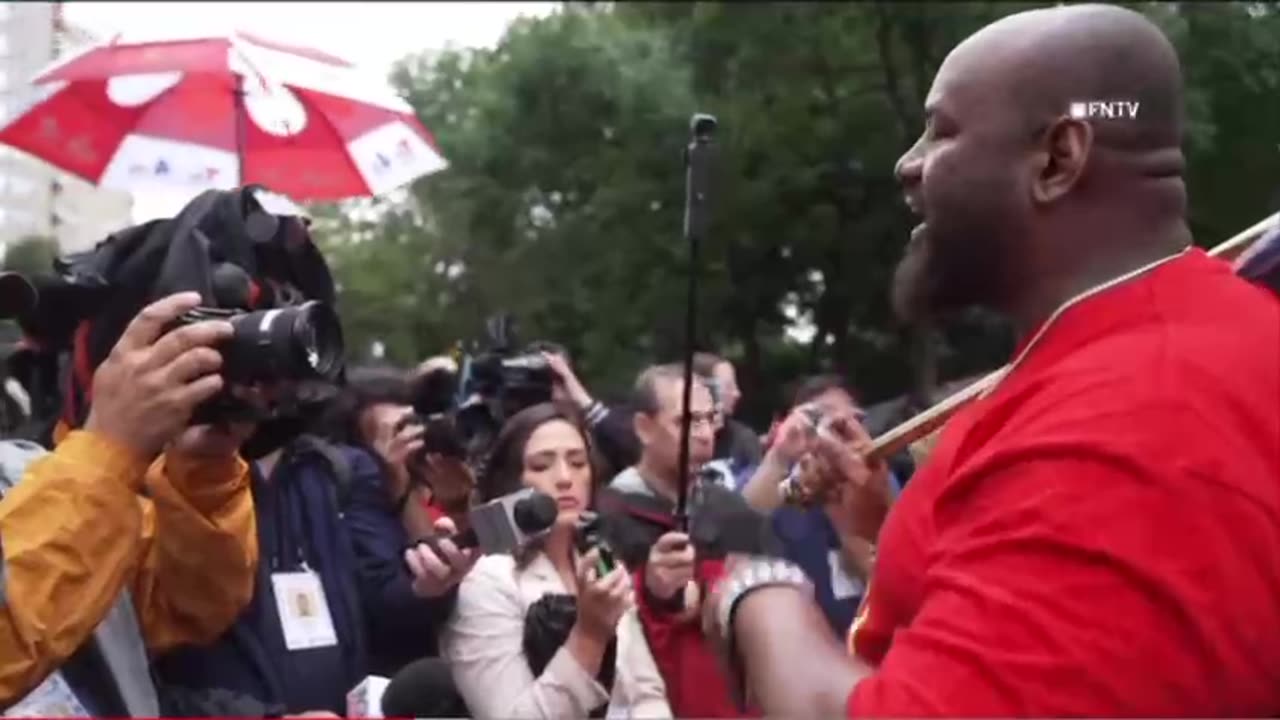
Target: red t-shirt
[1100, 536]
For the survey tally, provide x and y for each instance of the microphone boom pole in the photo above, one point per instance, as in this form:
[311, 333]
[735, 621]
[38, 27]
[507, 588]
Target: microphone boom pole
[697, 162]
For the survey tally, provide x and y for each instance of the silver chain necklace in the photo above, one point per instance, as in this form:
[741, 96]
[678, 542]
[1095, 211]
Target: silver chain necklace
[1071, 302]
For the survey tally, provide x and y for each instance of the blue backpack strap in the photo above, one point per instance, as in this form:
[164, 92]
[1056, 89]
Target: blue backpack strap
[335, 459]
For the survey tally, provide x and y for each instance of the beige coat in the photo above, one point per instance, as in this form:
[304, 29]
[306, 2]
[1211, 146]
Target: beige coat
[483, 644]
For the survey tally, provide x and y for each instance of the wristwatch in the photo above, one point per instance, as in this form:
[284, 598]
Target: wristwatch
[756, 573]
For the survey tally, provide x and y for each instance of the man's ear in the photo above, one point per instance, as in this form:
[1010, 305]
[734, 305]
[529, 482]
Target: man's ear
[642, 424]
[1067, 145]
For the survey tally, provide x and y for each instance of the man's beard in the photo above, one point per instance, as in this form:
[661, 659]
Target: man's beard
[940, 275]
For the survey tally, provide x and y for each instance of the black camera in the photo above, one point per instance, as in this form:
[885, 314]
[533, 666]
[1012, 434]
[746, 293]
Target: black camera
[440, 435]
[289, 339]
[257, 270]
[299, 343]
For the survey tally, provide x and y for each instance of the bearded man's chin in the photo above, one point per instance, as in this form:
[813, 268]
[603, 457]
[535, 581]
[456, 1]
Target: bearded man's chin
[910, 295]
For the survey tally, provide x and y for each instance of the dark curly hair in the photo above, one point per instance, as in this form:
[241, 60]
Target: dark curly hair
[366, 386]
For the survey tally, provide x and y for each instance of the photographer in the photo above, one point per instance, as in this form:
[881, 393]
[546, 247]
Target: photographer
[134, 499]
[389, 508]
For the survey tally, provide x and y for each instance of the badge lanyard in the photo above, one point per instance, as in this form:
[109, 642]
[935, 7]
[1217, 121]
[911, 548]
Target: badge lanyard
[291, 550]
[306, 619]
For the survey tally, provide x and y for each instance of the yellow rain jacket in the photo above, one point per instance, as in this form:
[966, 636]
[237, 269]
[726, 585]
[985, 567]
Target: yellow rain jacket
[77, 529]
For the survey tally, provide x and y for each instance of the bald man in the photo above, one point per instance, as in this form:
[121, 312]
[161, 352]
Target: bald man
[1100, 534]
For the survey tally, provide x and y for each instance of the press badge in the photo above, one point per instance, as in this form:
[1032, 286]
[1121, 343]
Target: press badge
[843, 585]
[304, 613]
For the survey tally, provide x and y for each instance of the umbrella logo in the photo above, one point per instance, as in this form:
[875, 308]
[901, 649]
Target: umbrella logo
[82, 148]
[404, 149]
[162, 168]
[49, 129]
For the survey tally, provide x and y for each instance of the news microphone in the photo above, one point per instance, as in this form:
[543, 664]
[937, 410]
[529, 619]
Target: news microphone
[423, 689]
[506, 523]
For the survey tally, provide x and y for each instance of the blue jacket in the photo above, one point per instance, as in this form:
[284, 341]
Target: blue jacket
[401, 626]
[810, 541]
[250, 671]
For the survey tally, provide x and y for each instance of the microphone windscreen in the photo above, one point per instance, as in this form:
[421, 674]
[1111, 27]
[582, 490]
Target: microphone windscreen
[423, 689]
[535, 513]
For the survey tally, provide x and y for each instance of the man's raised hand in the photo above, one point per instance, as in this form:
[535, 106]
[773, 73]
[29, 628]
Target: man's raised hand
[146, 390]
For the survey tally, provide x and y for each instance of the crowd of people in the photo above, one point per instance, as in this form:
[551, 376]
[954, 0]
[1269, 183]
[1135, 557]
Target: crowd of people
[274, 586]
[1099, 534]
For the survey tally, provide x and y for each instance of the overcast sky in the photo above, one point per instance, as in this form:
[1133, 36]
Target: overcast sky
[371, 34]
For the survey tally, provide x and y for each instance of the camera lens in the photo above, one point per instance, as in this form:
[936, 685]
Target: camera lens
[303, 342]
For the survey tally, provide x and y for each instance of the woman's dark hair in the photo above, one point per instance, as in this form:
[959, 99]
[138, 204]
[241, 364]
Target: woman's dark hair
[504, 471]
[339, 422]
[505, 467]
[365, 387]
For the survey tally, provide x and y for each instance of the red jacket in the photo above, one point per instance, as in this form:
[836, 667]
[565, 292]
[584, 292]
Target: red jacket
[696, 684]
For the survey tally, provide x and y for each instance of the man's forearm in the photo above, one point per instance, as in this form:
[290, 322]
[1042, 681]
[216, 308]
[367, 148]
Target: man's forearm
[71, 539]
[201, 565]
[794, 668]
[761, 491]
[206, 483]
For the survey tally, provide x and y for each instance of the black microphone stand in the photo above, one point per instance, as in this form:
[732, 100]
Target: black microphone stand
[698, 158]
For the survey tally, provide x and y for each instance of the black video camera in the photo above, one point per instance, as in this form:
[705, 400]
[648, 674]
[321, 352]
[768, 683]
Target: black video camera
[464, 412]
[506, 380]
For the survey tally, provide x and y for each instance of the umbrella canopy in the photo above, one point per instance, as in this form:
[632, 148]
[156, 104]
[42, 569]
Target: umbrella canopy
[218, 112]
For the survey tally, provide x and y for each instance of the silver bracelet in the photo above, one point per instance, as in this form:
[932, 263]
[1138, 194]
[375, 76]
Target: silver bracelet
[757, 573]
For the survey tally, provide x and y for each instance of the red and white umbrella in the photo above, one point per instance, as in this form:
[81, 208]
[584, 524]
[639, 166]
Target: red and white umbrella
[218, 112]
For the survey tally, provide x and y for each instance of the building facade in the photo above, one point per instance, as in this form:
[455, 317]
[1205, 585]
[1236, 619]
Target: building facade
[35, 198]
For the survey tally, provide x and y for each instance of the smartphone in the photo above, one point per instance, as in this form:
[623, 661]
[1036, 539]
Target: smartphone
[815, 416]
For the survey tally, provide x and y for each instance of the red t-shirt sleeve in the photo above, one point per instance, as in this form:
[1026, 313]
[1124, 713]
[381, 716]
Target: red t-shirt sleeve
[1059, 573]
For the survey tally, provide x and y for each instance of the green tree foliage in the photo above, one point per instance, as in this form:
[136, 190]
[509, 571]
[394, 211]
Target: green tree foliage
[563, 200]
